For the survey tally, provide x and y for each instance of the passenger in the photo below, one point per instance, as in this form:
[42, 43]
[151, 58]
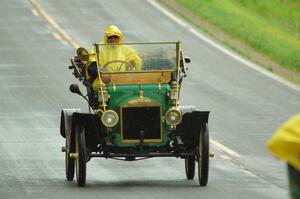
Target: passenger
[113, 57]
[285, 144]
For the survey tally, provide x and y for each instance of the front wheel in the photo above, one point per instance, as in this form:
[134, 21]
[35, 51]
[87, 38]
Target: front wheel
[203, 156]
[190, 167]
[81, 156]
[70, 163]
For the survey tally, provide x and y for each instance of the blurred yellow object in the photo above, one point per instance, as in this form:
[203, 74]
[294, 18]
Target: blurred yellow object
[285, 143]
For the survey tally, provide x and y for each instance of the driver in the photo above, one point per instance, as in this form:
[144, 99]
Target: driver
[113, 57]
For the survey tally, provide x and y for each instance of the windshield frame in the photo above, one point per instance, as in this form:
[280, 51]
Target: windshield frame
[177, 60]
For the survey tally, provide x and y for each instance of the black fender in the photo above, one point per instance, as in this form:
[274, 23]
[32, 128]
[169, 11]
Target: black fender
[193, 122]
[66, 121]
[94, 130]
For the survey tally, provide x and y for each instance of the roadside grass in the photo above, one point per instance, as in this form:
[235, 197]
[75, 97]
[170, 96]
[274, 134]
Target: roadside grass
[271, 27]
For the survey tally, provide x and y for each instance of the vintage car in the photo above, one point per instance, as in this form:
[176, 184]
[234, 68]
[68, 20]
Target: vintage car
[134, 114]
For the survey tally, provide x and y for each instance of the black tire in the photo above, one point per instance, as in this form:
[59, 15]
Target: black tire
[70, 164]
[203, 156]
[190, 167]
[82, 156]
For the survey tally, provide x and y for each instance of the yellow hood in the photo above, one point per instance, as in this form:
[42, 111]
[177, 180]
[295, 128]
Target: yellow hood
[112, 30]
[285, 143]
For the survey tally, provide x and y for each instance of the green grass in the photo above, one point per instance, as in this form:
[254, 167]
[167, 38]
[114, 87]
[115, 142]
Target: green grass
[271, 27]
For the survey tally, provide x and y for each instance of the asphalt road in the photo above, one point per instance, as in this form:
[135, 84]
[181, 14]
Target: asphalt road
[246, 108]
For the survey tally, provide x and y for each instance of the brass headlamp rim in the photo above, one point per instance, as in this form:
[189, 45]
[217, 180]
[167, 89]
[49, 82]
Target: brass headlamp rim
[168, 119]
[103, 117]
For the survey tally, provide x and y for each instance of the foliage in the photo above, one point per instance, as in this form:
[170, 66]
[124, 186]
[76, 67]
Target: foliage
[271, 27]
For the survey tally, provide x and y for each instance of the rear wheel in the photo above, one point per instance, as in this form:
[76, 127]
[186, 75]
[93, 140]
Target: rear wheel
[82, 156]
[203, 156]
[190, 167]
[70, 163]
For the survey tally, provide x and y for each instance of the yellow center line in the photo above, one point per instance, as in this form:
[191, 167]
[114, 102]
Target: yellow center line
[35, 12]
[57, 36]
[225, 157]
[224, 148]
[55, 25]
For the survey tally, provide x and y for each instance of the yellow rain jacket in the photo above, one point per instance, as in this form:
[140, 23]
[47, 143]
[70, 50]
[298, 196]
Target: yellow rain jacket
[114, 52]
[285, 143]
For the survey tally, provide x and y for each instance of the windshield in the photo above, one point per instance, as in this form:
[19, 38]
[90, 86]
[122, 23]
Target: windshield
[137, 57]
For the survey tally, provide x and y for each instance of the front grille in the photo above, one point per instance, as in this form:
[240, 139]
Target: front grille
[141, 119]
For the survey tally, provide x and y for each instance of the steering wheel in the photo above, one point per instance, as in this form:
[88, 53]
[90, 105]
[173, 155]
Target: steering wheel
[129, 66]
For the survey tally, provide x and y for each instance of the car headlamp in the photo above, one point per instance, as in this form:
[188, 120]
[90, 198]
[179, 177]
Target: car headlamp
[109, 118]
[173, 116]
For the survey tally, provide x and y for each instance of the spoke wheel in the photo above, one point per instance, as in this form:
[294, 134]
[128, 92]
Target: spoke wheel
[190, 167]
[69, 163]
[82, 157]
[203, 156]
